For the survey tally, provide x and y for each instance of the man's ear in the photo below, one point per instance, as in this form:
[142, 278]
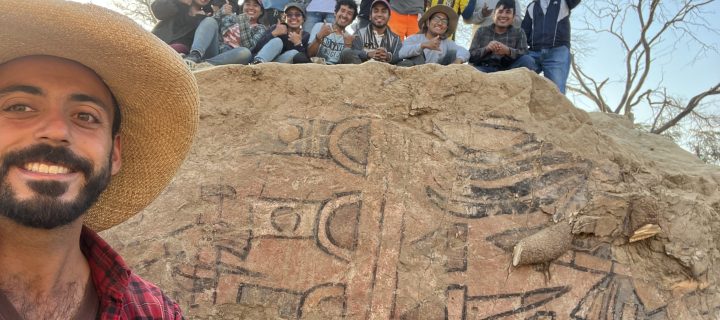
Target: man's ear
[116, 155]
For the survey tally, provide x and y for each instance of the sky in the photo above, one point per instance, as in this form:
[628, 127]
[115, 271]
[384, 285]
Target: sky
[679, 70]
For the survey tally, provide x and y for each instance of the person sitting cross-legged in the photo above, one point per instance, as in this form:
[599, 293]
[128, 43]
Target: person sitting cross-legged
[376, 41]
[432, 45]
[284, 40]
[501, 46]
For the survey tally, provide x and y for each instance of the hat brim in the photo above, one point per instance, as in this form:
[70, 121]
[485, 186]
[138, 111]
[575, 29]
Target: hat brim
[296, 6]
[157, 94]
[448, 11]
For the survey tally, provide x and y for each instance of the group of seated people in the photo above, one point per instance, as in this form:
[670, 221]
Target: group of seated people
[220, 32]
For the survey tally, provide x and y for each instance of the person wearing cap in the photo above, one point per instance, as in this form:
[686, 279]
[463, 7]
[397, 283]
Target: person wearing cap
[327, 41]
[375, 41]
[432, 44]
[88, 138]
[500, 46]
[404, 17]
[283, 41]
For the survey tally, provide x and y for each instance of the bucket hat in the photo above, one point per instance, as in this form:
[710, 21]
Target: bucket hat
[157, 94]
[451, 14]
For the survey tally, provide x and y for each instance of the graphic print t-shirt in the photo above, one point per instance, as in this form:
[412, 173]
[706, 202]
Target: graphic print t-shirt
[331, 46]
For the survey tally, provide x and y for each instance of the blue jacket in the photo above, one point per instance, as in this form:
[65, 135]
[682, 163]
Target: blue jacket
[549, 29]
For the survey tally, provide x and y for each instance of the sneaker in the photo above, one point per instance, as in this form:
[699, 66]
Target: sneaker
[256, 61]
[194, 56]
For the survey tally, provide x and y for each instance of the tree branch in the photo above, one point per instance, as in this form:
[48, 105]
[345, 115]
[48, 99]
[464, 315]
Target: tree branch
[690, 107]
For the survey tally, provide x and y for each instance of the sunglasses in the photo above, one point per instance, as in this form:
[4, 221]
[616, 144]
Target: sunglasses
[293, 15]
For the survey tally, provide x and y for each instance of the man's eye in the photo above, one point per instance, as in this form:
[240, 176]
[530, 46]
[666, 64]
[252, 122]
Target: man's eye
[18, 108]
[86, 117]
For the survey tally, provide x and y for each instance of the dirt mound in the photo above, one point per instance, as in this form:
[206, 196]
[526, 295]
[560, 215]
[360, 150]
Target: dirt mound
[431, 192]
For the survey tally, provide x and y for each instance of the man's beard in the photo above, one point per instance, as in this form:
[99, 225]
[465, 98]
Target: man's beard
[45, 210]
[379, 26]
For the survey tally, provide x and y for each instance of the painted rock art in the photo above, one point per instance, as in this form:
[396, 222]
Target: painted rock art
[387, 197]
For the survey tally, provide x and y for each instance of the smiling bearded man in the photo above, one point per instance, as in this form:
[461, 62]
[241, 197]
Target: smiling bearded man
[84, 92]
[45, 209]
[375, 41]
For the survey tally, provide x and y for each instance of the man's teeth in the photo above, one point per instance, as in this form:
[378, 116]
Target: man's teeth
[44, 168]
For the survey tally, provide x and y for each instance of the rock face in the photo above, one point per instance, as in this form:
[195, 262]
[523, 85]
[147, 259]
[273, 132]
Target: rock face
[375, 192]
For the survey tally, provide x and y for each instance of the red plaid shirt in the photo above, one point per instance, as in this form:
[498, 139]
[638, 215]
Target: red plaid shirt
[122, 294]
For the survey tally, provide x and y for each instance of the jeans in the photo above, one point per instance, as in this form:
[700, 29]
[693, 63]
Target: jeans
[554, 64]
[349, 56]
[315, 17]
[207, 43]
[272, 51]
[522, 61]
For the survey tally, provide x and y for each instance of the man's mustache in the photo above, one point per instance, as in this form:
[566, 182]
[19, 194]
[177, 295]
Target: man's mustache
[45, 153]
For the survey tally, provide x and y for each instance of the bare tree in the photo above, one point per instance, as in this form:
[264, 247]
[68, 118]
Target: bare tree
[138, 10]
[646, 30]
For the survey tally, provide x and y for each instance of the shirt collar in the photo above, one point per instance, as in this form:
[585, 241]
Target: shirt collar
[109, 273]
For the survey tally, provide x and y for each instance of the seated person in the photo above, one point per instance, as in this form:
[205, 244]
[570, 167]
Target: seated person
[482, 16]
[376, 41]
[178, 20]
[465, 8]
[432, 45]
[230, 37]
[329, 40]
[501, 46]
[284, 40]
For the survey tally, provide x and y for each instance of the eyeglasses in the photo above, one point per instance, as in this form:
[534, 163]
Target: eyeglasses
[293, 15]
[440, 20]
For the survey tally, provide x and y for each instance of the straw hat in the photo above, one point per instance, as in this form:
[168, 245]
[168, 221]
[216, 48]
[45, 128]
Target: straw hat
[449, 12]
[158, 96]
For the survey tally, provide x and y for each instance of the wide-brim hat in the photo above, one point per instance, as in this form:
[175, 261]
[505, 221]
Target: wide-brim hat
[451, 14]
[296, 5]
[157, 94]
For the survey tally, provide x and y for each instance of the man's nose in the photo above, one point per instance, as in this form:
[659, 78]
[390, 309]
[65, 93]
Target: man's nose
[55, 128]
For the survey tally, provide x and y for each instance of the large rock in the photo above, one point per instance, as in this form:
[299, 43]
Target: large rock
[375, 192]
